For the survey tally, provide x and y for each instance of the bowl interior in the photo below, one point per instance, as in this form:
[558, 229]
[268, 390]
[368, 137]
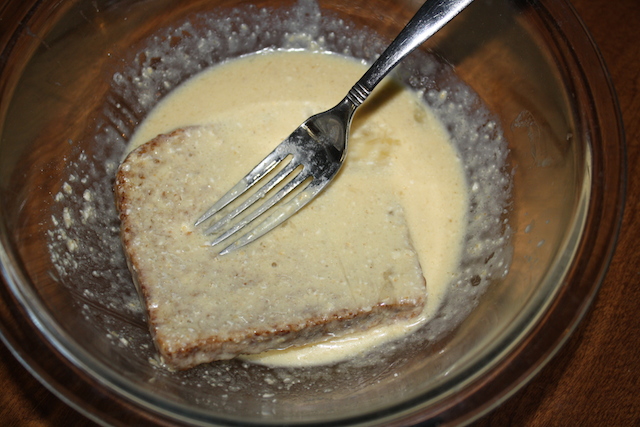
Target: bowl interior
[75, 88]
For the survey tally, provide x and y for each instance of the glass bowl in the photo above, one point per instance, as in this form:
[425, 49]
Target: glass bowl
[70, 101]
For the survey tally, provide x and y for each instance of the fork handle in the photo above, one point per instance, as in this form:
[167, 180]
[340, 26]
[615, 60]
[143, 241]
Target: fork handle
[431, 16]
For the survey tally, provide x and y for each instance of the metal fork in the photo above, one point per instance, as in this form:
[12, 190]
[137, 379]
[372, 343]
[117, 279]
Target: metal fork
[317, 148]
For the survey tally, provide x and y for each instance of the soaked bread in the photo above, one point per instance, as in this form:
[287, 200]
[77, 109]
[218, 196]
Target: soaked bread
[344, 263]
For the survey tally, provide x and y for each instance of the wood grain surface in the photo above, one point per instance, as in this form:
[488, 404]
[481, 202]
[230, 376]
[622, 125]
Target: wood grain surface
[594, 379]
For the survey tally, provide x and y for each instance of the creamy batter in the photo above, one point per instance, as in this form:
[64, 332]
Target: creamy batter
[395, 139]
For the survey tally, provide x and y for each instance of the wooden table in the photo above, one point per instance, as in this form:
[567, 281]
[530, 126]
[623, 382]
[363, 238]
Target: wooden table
[594, 379]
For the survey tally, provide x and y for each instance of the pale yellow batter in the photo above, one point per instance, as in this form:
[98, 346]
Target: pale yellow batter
[395, 139]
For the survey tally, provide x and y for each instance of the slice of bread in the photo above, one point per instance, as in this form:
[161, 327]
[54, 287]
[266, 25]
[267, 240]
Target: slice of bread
[343, 263]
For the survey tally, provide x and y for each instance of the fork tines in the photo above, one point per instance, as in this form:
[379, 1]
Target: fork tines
[293, 170]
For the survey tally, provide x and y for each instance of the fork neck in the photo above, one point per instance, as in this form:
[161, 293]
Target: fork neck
[344, 112]
[357, 95]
